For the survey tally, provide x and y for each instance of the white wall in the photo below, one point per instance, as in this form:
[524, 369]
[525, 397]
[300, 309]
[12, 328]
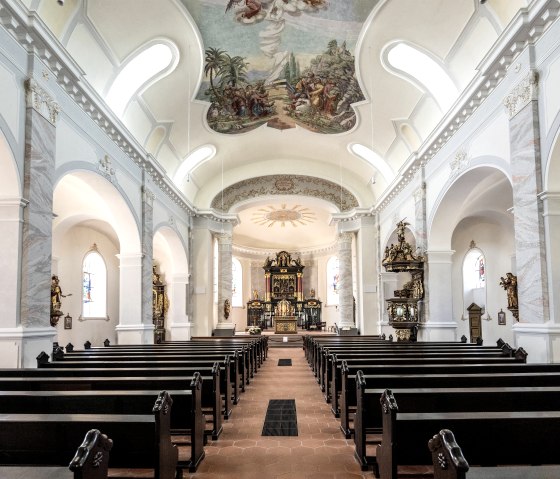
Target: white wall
[69, 252]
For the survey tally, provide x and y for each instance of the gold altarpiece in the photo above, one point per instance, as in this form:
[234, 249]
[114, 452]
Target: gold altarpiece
[284, 291]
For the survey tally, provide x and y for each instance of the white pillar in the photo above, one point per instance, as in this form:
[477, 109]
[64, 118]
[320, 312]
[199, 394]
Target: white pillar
[131, 329]
[178, 319]
[11, 218]
[345, 294]
[440, 324]
[367, 308]
[224, 281]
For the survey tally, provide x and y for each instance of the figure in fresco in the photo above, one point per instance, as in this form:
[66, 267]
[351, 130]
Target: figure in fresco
[252, 7]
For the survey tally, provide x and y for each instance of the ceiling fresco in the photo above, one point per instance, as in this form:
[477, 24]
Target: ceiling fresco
[280, 63]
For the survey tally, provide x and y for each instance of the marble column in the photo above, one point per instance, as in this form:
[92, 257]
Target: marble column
[421, 242]
[39, 166]
[224, 280]
[179, 326]
[345, 293]
[147, 255]
[439, 325]
[530, 255]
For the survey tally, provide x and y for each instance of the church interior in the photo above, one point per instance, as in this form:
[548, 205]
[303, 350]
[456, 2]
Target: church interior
[231, 170]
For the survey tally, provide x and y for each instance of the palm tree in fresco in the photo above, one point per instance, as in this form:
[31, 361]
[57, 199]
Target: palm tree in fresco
[233, 70]
[213, 64]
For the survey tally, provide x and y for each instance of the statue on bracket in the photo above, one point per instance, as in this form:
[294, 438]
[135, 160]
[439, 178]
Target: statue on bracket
[56, 300]
[509, 283]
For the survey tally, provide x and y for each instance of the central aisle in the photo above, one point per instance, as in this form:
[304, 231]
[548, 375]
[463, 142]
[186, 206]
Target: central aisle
[318, 452]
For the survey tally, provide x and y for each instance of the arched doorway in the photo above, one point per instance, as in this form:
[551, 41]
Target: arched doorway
[91, 213]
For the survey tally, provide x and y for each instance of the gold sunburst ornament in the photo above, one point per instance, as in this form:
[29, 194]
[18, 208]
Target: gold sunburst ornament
[295, 216]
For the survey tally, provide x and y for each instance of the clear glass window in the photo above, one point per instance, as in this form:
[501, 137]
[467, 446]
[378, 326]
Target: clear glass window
[94, 286]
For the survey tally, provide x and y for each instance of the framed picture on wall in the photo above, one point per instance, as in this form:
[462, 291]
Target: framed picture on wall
[501, 317]
[67, 322]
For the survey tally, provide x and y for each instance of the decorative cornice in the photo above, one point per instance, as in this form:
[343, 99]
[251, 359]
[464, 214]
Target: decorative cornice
[31, 33]
[522, 94]
[526, 28]
[264, 253]
[38, 99]
[276, 185]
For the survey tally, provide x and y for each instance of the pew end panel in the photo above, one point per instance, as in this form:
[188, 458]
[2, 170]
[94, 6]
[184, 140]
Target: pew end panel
[91, 460]
[447, 457]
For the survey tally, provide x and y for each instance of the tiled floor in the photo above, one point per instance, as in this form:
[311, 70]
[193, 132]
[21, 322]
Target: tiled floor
[318, 452]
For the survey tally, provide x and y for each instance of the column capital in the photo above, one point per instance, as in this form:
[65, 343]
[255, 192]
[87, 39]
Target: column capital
[148, 196]
[345, 237]
[525, 92]
[224, 238]
[38, 99]
[440, 256]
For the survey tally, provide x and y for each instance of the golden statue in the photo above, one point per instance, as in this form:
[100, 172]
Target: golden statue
[227, 308]
[509, 283]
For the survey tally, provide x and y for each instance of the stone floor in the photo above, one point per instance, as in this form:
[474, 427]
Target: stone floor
[320, 451]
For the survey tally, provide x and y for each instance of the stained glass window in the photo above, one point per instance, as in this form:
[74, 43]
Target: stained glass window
[94, 285]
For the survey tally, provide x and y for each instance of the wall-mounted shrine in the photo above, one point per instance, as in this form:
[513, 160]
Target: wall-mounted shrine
[403, 309]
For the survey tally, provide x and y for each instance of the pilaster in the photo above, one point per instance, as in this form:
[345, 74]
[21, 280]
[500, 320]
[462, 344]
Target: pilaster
[224, 280]
[345, 295]
[530, 254]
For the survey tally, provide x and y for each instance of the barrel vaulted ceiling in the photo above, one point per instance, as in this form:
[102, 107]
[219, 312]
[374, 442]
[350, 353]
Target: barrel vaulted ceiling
[226, 93]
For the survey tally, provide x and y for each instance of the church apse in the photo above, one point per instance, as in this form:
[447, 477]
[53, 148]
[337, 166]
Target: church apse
[280, 63]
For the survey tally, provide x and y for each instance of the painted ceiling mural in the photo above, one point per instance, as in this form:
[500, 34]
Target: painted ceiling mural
[280, 62]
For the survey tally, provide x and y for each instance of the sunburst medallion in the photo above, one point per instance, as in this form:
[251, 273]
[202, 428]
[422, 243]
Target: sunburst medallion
[295, 216]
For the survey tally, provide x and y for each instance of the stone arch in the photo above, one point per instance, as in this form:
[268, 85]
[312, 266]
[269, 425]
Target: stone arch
[171, 258]
[552, 173]
[482, 190]
[82, 195]
[10, 183]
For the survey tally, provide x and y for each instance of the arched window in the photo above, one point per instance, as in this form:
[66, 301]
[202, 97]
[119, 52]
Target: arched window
[332, 281]
[474, 278]
[236, 283]
[94, 285]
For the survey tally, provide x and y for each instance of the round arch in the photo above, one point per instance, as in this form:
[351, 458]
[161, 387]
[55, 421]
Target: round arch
[552, 175]
[479, 191]
[169, 245]
[10, 184]
[81, 196]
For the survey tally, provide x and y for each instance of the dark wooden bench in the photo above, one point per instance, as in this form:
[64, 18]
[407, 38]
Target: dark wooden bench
[344, 369]
[450, 463]
[139, 441]
[210, 396]
[186, 415]
[412, 350]
[240, 358]
[369, 414]
[90, 461]
[147, 366]
[536, 375]
[330, 377]
[487, 438]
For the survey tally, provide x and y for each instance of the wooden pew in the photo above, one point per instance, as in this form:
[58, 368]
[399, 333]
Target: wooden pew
[535, 375]
[145, 366]
[89, 462]
[341, 386]
[139, 441]
[487, 438]
[331, 369]
[240, 358]
[109, 383]
[406, 350]
[369, 414]
[450, 463]
[186, 414]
